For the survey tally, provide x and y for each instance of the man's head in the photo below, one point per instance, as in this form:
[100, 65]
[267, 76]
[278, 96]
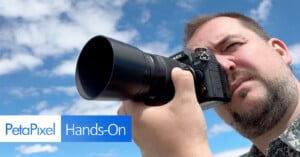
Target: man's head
[262, 85]
[247, 22]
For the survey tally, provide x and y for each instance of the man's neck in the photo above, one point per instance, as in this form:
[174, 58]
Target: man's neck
[262, 142]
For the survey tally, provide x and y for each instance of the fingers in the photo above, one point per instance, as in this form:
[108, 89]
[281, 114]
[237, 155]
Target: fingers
[125, 108]
[130, 107]
[121, 110]
[184, 93]
[183, 82]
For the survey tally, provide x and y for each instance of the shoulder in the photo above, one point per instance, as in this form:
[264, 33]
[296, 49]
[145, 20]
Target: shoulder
[253, 152]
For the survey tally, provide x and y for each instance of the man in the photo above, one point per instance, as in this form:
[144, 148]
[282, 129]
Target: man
[264, 104]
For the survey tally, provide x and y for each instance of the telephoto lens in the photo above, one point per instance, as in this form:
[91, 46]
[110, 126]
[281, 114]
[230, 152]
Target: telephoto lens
[108, 69]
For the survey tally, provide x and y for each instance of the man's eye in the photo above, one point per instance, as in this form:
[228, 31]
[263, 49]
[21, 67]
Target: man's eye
[232, 47]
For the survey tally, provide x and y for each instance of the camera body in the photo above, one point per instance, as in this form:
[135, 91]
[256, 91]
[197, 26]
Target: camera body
[210, 80]
[108, 69]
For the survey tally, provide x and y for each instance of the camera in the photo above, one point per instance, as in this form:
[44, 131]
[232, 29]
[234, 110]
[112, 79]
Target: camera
[108, 69]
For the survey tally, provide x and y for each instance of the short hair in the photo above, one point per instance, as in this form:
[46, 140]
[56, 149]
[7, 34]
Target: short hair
[245, 21]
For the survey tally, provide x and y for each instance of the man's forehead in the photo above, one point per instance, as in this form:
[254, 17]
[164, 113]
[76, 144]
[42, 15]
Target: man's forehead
[215, 31]
[221, 22]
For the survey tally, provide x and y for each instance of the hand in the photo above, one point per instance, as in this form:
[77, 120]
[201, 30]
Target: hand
[175, 129]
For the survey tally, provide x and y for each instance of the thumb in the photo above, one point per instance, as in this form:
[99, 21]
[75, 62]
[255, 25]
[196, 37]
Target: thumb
[184, 86]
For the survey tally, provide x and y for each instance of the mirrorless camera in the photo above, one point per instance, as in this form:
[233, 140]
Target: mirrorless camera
[108, 69]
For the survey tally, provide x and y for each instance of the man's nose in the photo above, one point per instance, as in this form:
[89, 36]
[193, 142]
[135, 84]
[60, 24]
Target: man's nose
[227, 62]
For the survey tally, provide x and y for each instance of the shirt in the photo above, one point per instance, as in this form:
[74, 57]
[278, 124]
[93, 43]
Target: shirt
[285, 145]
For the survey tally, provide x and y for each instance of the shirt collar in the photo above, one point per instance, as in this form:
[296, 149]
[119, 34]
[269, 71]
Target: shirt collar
[291, 136]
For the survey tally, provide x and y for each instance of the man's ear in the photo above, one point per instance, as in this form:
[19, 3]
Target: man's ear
[280, 47]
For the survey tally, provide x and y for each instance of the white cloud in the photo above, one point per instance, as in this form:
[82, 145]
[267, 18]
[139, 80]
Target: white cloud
[41, 105]
[109, 153]
[295, 52]
[145, 17]
[218, 129]
[86, 107]
[67, 67]
[187, 4]
[56, 110]
[83, 107]
[232, 153]
[31, 9]
[263, 10]
[42, 109]
[53, 29]
[156, 47]
[37, 148]
[17, 62]
[59, 34]
[68, 90]
[146, 1]
[24, 92]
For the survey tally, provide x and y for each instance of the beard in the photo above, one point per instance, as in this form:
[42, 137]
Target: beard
[266, 111]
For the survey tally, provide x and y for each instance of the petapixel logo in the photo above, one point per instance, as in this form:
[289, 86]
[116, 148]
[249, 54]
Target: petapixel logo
[32, 129]
[25, 128]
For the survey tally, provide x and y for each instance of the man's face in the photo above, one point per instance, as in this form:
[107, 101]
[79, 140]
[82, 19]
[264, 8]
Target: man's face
[257, 70]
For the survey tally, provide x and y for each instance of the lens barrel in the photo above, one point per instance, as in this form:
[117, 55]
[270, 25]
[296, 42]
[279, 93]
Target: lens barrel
[108, 69]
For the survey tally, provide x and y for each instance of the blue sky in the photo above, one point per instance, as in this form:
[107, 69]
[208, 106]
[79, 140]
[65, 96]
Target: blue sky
[40, 41]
